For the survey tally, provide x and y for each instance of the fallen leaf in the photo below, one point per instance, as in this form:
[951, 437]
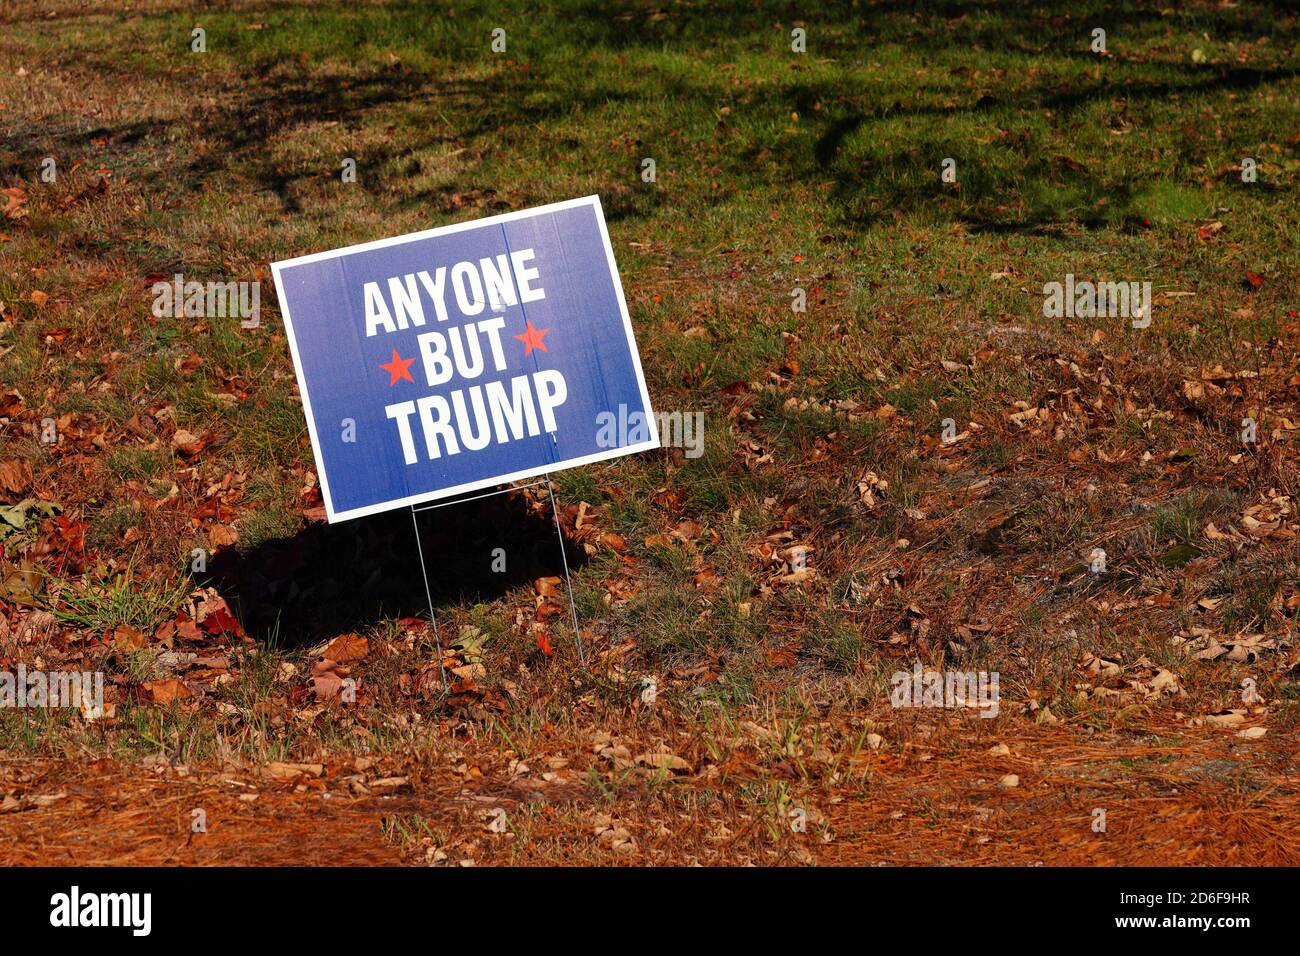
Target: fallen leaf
[347, 648]
[1226, 718]
[277, 770]
[187, 443]
[15, 204]
[326, 685]
[221, 535]
[128, 638]
[165, 691]
[663, 760]
[15, 475]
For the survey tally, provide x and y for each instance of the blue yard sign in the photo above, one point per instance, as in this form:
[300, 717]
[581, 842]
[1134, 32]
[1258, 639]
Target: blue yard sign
[464, 357]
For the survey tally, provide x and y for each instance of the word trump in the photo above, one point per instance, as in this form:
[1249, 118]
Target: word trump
[512, 416]
[467, 418]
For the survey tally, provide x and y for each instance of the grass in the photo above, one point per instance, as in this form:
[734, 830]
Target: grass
[123, 599]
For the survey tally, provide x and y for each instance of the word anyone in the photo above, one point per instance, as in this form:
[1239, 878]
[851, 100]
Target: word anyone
[926, 688]
[506, 280]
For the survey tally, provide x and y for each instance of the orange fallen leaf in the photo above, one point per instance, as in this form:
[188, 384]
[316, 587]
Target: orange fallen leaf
[326, 685]
[127, 638]
[15, 475]
[187, 443]
[347, 648]
[165, 691]
[221, 535]
[15, 202]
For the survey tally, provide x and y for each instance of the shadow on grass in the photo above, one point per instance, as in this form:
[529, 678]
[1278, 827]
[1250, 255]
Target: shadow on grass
[330, 579]
[1020, 183]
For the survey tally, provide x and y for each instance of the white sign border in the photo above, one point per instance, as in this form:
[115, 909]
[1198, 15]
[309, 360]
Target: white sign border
[391, 504]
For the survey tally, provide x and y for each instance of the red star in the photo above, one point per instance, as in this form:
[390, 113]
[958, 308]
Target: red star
[532, 339]
[398, 369]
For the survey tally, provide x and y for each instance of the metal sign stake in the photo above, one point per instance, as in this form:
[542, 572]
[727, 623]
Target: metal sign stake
[428, 596]
[564, 559]
[568, 581]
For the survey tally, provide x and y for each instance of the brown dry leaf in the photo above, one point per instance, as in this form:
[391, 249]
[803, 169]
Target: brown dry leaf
[686, 530]
[663, 760]
[128, 638]
[165, 691]
[706, 579]
[39, 298]
[1165, 682]
[21, 583]
[869, 486]
[15, 475]
[546, 587]
[16, 203]
[1226, 718]
[221, 535]
[1096, 664]
[277, 770]
[347, 648]
[326, 685]
[186, 443]
[1213, 651]
[784, 656]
